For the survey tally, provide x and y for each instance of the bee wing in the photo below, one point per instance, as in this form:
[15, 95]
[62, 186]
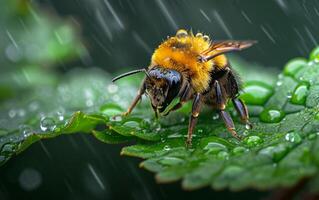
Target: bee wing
[225, 46]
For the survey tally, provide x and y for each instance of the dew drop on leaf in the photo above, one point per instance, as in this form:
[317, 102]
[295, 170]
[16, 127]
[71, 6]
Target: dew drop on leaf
[12, 113]
[293, 137]
[253, 140]
[112, 88]
[293, 66]
[271, 115]
[239, 150]
[312, 136]
[7, 148]
[26, 130]
[166, 148]
[170, 161]
[47, 124]
[300, 94]
[223, 155]
[256, 93]
[214, 147]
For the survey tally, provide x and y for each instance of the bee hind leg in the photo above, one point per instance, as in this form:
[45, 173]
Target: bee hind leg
[242, 111]
[229, 123]
[224, 114]
[193, 118]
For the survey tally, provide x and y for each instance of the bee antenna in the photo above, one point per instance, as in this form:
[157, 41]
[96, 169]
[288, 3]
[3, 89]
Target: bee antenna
[131, 73]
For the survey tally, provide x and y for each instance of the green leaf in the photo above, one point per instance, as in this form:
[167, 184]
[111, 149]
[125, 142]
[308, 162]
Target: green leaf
[280, 150]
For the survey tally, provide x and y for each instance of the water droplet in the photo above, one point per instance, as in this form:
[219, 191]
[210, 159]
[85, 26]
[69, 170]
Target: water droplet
[312, 136]
[7, 149]
[276, 153]
[216, 116]
[245, 132]
[293, 66]
[253, 140]
[199, 35]
[271, 115]
[279, 83]
[248, 126]
[170, 161]
[206, 37]
[30, 179]
[181, 33]
[89, 102]
[256, 93]
[132, 124]
[166, 148]
[112, 88]
[293, 137]
[34, 106]
[111, 109]
[21, 112]
[214, 147]
[300, 94]
[223, 155]
[47, 124]
[12, 113]
[26, 130]
[239, 150]
[175, 135]
[116, 118]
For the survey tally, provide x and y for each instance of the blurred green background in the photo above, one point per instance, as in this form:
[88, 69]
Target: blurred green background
[42, 40]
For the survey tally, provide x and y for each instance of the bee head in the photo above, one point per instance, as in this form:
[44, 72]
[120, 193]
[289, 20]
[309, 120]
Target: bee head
[162, 86]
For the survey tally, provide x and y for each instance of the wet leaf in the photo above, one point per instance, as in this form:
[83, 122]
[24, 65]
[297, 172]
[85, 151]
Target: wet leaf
[280, 150]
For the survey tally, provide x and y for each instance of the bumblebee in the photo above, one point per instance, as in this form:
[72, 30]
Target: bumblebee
[193, 67]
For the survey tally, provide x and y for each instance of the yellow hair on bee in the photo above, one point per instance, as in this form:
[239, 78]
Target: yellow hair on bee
[181, 53]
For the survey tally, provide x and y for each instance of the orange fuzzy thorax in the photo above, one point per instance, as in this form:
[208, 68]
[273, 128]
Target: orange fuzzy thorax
[181, 53]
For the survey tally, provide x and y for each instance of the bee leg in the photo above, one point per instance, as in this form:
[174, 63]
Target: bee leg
[138, 97]
[193, 118]
[242, 111]
[155, 111]
[183, 99]
[223, 114]
[229, 123]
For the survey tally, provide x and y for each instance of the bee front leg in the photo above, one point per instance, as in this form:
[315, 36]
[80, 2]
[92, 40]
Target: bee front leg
[242, 111]
[183, 98]
[193, 118]
[138, 97]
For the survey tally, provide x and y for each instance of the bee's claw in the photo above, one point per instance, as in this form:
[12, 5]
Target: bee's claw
[234, 134]
[188, 143]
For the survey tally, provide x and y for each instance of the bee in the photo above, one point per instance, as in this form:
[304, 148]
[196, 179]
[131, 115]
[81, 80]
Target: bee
[193, 67]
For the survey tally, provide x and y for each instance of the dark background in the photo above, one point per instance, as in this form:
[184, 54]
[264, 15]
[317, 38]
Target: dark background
[122, 34]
